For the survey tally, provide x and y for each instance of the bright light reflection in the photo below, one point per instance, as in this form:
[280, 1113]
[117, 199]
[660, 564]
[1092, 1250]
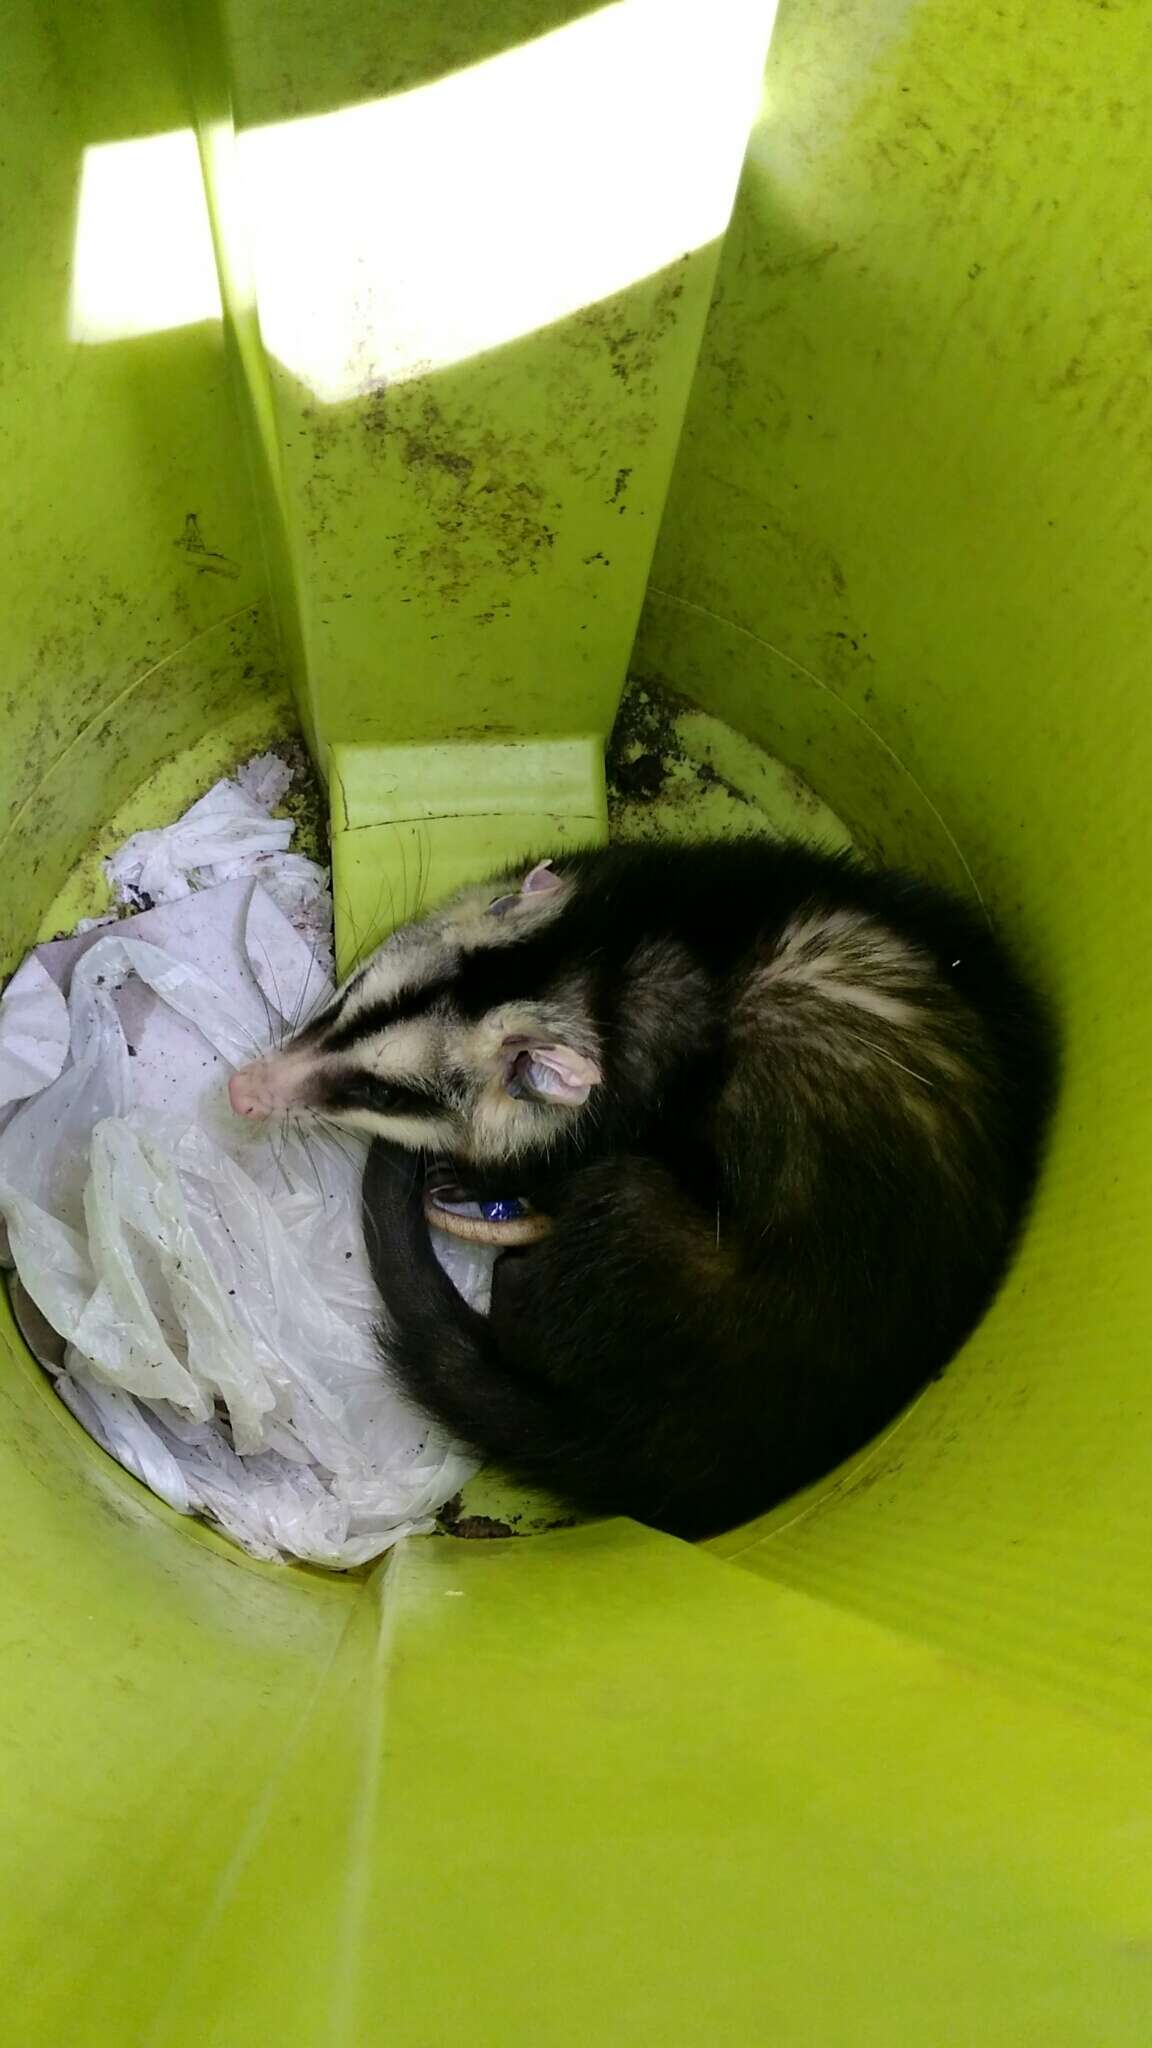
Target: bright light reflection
[143, 258]
[395, 238]
[402, 236]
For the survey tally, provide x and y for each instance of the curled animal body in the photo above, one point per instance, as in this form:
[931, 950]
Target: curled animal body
[783, 1114]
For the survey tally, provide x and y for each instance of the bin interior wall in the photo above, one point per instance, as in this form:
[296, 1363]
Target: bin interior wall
[875, 1770]
[906, 545]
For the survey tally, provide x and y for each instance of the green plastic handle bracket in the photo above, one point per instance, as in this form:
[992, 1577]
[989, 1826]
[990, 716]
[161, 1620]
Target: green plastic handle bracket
[412, 823]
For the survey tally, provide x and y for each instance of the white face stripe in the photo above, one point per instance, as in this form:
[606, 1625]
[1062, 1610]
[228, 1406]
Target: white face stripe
[462, 1063]
[408, 1050]
[389, 974]
[421, 953]
[419, 1133]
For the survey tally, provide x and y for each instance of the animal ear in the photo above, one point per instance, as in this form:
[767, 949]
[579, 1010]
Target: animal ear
[539, 881]
[535, 1071]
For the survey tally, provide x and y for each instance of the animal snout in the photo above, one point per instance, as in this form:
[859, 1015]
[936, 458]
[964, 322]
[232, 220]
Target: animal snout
[249, 1091]
[285, 1080]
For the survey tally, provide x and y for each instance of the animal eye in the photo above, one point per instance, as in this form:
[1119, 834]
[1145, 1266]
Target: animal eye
[364, 1091]
[380, 1094]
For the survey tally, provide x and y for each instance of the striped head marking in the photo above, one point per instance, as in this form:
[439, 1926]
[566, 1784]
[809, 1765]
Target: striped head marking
[441, 1041]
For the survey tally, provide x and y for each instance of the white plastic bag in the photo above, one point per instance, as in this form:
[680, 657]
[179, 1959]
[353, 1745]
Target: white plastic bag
[33, 1032]
[209, 1275]
[227, 835]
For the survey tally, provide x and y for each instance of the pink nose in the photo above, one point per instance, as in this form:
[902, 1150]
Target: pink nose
[248, 1092]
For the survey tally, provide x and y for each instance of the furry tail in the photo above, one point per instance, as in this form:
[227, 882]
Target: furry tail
[442, 1352]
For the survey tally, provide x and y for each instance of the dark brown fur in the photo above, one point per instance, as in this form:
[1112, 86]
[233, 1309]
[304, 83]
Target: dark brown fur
[785, 1203]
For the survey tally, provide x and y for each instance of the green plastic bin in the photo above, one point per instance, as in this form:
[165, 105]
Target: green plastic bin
[868, 477]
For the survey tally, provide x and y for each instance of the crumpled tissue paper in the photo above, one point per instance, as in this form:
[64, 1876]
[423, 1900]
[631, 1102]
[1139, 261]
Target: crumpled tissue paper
[206, 1276]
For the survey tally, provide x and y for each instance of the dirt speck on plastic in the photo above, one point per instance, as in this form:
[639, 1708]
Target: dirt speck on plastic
[453, 1521]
